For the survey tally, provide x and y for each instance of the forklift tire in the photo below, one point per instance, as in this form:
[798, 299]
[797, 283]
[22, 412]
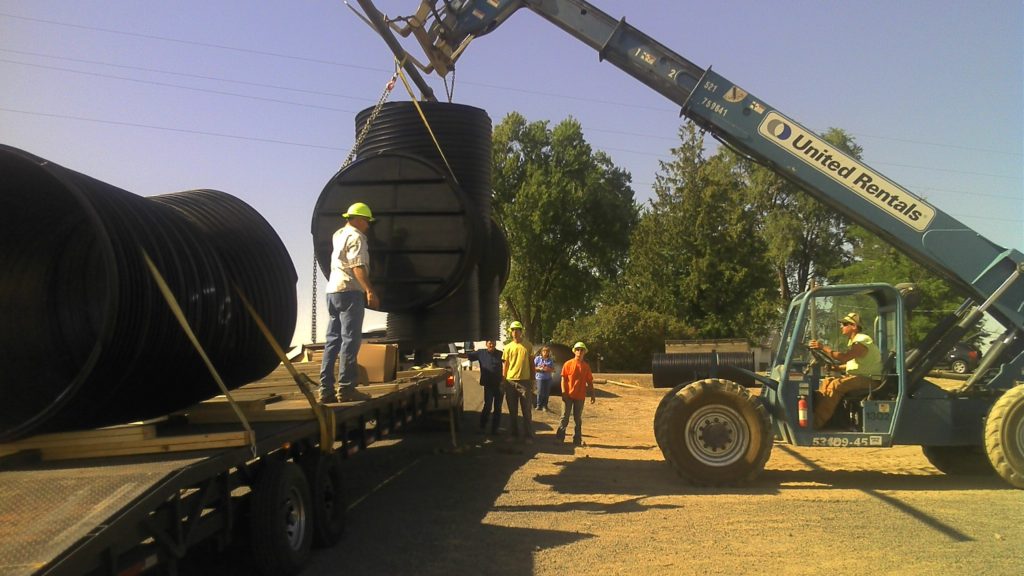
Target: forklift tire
[327, 490]
[959, 460]
[280, 519]
[1004, 436]
[714, 433]
[660, 412]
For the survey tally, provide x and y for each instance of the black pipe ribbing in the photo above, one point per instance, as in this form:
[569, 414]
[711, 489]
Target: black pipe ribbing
[669, 370]
[86, 339]
[434, 225]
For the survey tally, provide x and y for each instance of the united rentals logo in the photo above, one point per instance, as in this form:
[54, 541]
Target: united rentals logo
[816, 153]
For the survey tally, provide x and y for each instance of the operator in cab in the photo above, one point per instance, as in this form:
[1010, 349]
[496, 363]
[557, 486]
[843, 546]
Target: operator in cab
[862, 364]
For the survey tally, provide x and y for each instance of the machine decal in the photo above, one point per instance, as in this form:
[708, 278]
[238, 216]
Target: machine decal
[735, 94]
[846, 442]
[818, 154]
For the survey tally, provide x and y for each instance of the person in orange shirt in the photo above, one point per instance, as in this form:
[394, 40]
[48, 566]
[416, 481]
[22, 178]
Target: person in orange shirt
[577, 384]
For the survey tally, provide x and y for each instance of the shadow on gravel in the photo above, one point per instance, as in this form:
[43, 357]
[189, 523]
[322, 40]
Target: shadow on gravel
[872, 480]
[643, 478]
[427, 517]
[819, 477]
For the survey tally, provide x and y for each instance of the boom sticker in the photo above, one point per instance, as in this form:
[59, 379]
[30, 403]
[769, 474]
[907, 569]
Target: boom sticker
[854, 176]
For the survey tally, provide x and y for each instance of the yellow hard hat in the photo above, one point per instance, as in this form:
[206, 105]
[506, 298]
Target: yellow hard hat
[515, 325]
[359, 209]
[579, 346]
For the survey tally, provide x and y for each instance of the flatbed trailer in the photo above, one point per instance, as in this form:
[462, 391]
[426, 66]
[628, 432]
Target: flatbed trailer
[125, 499]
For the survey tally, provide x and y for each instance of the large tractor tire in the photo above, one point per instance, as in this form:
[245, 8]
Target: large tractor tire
[281, 520]
[714, 433]
[959, 460]
[659, 414]
[1004, 436]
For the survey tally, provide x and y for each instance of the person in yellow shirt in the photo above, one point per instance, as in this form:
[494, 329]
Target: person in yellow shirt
[863, 366]
[517, 372]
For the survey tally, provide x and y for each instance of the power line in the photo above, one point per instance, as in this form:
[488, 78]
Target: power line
[169, 129]
[194, 43]
[187, 75]
[180, 87]
[472, 83]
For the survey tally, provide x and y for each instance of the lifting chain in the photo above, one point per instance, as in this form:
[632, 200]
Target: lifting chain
[351, 156]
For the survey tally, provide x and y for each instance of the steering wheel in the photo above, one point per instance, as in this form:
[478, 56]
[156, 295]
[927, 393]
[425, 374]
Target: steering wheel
[822, 358]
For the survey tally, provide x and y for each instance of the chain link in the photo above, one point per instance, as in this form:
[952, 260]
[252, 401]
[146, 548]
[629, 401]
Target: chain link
[351, 156]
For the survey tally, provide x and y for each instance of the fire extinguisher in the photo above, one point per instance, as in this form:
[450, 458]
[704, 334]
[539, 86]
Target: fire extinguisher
[801, 411]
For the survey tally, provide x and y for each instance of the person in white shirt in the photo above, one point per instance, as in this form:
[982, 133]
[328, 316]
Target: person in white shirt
[349, 292]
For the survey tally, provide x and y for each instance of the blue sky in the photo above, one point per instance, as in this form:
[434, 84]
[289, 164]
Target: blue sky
[258, 99]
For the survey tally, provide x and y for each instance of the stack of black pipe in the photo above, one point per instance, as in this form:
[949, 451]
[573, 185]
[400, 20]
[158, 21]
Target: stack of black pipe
[669, 370]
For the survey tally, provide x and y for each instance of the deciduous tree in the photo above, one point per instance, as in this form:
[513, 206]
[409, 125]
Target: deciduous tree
[568, 212]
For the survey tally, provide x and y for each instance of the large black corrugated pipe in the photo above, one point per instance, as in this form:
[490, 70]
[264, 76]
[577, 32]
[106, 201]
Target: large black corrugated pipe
[86, 338]
[494, 271]
[668, 370]
[425, 237]
[463, 133]
[434, 223]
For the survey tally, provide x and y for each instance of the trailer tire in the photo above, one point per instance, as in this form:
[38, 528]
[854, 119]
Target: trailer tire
[280, 527]
[959, 460]
[714, 433]
[327, 493]
[1004, 436]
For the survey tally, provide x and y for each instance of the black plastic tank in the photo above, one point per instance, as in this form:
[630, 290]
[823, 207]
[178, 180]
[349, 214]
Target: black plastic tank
[433, 216]
[425, 235]
[87, 339]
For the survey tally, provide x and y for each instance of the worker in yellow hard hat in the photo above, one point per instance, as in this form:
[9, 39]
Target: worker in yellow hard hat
[517, 372]
[349, 292]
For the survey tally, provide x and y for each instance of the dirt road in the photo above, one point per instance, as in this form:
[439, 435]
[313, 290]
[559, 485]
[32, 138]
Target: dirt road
[614, 507]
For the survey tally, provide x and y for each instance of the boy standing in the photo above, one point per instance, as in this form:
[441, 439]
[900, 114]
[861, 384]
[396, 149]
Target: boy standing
[517, 370]
[577, 384]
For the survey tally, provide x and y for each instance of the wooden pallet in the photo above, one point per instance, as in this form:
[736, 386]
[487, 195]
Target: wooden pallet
[130, 439]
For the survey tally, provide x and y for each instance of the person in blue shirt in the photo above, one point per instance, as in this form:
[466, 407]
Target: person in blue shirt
[490, 378]
[544, 367]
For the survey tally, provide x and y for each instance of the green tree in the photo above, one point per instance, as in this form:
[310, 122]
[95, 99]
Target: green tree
[622, 337]
[696, 254]
[873, 260]
[804, 239]
[568, 212]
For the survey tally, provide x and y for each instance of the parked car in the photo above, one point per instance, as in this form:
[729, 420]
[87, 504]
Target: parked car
[963, 358]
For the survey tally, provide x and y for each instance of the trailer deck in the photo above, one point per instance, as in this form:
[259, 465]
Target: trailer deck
[118, 499]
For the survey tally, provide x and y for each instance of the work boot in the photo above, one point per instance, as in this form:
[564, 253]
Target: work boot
[326, 398]
[350, 394]
[560, 434]
[577, 441]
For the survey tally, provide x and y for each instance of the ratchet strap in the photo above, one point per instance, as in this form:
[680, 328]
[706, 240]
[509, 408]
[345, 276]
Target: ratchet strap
[324, 415]
[416, 103]
[172, 302]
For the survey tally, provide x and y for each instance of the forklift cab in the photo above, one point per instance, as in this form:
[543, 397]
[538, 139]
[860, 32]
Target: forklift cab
[862, 419]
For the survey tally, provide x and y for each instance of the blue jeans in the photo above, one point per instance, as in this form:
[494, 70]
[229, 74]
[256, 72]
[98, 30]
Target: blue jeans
[344, 336]
[492, 400]
[543, 392]
[519, 394]
[575, 409]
